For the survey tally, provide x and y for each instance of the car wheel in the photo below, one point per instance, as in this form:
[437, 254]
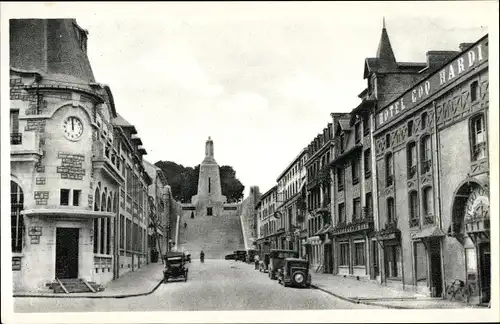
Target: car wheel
[299, 278]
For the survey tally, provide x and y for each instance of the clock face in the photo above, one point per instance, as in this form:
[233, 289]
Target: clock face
[73, 128]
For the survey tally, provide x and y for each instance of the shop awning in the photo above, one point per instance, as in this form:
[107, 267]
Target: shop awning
[427, 232]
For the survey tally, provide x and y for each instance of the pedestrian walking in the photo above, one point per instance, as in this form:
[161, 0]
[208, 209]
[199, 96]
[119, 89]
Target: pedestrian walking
[256, 259]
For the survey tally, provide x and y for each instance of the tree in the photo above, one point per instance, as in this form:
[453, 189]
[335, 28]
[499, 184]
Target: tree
[231, 187]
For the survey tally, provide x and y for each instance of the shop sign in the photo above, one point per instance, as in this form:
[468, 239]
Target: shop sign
[437, 81]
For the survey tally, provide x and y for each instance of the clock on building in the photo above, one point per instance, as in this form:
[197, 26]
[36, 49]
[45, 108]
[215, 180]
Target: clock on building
[73, 128]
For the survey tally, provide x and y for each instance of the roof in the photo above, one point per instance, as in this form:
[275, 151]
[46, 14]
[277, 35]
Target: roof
[297, 158]
[52, 47]
[344, 125]
[384, 50]
[267, 193]
[120, 121]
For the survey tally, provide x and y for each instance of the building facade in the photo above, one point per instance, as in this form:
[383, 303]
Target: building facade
[438, 230]
[267, 224]
[318, 193]
[291, 206]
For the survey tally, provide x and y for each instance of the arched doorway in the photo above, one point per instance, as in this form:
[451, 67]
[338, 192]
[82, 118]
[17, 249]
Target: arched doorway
[471, 220]
[16, 220]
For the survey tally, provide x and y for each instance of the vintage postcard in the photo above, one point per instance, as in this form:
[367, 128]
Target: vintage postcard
[249, 162]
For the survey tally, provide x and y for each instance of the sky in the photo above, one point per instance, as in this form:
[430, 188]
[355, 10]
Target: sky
[260, 78]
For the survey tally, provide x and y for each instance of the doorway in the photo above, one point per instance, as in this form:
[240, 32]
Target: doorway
[374, 260]
[209, 211]
[328, 258]
[435, 267]
[485, 268]
[67, 253]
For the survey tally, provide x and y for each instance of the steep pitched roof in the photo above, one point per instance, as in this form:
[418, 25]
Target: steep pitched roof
[384, 50]
[55, 47]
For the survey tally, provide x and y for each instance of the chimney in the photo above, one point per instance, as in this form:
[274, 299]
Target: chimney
[436, 59]
[464, 46]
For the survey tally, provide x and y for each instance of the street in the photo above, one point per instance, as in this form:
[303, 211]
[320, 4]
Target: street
[215, 285]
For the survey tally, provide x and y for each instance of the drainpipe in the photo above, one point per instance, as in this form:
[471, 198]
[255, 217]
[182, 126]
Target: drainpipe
[438, 198]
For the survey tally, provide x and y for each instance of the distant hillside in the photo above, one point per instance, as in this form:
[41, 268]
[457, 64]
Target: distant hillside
[184, 181]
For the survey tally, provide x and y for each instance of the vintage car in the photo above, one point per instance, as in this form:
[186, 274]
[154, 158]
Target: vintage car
[264, 263]
[231, 256]
[295, 272]
[175, 266]
[241, 255]
[251, 255]
[277, 259]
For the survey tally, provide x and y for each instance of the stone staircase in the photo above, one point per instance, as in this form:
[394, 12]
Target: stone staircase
[216, 235]
[78, 285]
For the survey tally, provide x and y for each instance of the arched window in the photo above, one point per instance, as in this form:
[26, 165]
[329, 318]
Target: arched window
[109, 204]
[411, 154]
[389, 170]
[410, 128]
[423, 120]
[426, 153]
[478, 137]
[16, 219]
[391, 217]
[413, 208]
[428, 199]
[387, 140]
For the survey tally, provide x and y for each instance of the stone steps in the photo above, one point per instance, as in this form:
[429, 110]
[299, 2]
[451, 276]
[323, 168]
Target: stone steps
[77, 285]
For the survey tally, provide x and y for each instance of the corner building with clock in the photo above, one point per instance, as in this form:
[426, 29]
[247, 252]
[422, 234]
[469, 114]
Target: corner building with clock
[78, 184]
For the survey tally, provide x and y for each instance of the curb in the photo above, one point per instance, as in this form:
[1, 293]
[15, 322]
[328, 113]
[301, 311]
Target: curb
[94, 297]
[357, 301]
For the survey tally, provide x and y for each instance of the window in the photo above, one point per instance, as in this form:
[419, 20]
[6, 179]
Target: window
[355, 170]
[368, 163]
[15, 136]
[64, 197]
[129, 235]
[359, 254]
[390, 210]
[423, 120]
[387, 140]
[393, 261]
[473, 91]
[342, 142]
[478, 137]
[411, 152]
[209, 185]
[414, 219]
[341, 213]
[344, 254]
[389, 170]
[356, 208]
[16, 219]
[366, 125]
[122, 231]
[410, 128]
[428, 201]
[209, 211]
[426, 153]
[340, 178]
[76, 197]
[357, 132]
[369, 205]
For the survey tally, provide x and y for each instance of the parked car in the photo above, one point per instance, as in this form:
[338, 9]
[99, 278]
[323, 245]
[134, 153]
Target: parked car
[277, 259]
[175, 266]
[231, 256]
[241, 255]
[264, 263]
[295, 272]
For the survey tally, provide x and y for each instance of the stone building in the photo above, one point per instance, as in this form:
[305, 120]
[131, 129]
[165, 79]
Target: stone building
[267, 223]
[318, 195]
[249, 217]
[69, 154]
[291, 194]
[432, 163]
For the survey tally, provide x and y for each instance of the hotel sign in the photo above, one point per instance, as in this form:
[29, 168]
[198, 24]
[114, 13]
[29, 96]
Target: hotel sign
[423, 90]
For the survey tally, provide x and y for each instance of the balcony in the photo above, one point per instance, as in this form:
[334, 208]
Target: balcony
[25, 147]
[412, 171]
[364, 223]
[390, 231]
[426, 166]
[429, 219]
[390, 180]
[414, 222]
[104, 158]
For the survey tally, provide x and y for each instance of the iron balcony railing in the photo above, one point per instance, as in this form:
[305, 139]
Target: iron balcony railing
[16, 138]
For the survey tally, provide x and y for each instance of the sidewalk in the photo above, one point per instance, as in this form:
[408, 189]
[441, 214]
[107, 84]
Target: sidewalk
[143, 281]
[370, 293]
